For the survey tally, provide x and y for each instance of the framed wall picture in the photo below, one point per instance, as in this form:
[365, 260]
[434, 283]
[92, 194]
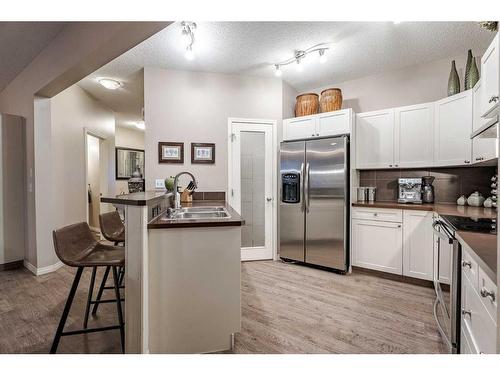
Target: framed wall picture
[171, 152]
[128, 160]
[202, 153]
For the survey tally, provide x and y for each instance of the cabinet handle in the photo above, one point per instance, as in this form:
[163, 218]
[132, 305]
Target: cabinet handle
[375, 214]
[486, 293]
[312, 135]
[390, 165]
[466, 264]
[399, 225]
[493, 99]
[317, 134]
[467, 161]
[467, 312]
[396, 165]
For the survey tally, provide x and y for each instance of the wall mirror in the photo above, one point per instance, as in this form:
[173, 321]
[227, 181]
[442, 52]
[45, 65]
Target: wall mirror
[128, 160]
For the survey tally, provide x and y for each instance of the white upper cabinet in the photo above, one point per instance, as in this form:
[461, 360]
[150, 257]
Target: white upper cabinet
[334, 123]
[418, 244]
[414, 135]
[489, 78]
[482, 148]
[320, 125]
[299, 127]
[452, 130]
[375, 139]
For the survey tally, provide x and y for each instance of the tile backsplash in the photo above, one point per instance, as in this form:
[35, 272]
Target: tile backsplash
[449, 184]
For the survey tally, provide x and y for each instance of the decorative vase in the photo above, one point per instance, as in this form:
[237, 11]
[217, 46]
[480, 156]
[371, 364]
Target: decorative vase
[331, 100]
[467, 70]
[473, 75]
[307, 104]
[453, 80]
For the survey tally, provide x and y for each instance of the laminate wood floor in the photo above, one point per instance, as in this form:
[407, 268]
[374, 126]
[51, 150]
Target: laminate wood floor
[286, 308]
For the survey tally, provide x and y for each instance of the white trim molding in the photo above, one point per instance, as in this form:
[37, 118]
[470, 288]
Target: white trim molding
[43, 270]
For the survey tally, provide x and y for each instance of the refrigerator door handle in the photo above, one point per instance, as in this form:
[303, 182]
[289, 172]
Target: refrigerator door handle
[302, 199]
[306, 188]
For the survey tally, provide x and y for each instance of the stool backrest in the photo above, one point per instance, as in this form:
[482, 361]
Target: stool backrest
[111, 226]
[73, 243]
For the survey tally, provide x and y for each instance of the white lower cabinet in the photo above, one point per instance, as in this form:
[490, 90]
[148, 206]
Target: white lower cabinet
[478, 310]
[394, 241]
[377, 245]
[418, 244]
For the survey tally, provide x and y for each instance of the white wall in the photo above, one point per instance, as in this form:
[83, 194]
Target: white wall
[65, 189]
[183, 106]
[411, 85]
[129, 138]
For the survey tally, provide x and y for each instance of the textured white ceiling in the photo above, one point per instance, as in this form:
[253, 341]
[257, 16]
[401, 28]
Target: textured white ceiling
[20, 42]
[358, 49]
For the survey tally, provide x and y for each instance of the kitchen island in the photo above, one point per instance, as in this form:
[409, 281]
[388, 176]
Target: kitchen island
[182, 282]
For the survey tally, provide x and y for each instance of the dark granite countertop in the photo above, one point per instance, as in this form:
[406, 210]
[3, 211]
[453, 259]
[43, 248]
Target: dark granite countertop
[137, 199]
[163, 222]
[483, 248]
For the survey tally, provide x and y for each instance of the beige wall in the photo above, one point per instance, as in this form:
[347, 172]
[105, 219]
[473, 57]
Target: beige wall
[130, 138]
[183, 106]
[72, 111]
[12, 182]
[78, 50]
[411, 85]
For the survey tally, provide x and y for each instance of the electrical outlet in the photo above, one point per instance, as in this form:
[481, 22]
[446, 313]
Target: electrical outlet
[159, 183]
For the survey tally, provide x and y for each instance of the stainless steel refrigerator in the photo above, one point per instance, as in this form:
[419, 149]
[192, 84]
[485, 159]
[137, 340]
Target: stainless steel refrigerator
[314, 202]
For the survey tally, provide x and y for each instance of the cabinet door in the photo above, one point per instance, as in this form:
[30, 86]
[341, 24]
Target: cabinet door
[377, 245]
[414, 135]
[375, 139]
[300, 127]
[452, 130]
[482, 148]
[418, 244]
[489, 73]
[334, 123]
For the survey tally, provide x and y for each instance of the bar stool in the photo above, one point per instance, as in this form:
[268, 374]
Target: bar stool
[76, 247]
[113, 230]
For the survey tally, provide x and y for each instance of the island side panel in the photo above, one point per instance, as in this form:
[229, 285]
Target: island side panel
[194, 289]
[136, 280]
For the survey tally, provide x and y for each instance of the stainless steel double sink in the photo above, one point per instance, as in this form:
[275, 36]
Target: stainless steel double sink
[202, 213]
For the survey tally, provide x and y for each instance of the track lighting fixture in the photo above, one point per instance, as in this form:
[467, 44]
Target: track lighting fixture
[188, 37]
[299, 56]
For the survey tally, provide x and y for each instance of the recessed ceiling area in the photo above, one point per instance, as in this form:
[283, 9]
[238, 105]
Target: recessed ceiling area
[356, 49]
[20, 42]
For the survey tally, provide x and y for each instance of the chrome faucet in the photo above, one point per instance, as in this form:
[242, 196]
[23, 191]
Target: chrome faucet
[177, 196]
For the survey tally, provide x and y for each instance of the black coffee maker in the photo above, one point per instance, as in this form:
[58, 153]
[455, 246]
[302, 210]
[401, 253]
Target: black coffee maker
[427, 189]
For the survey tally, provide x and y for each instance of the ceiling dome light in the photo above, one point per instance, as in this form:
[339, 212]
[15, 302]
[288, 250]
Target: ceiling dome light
[322, 56]
[189, 53]
[140, 125]
[110, 84]
[278, 71]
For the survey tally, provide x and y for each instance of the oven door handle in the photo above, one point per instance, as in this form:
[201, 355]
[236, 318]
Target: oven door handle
[440, 234]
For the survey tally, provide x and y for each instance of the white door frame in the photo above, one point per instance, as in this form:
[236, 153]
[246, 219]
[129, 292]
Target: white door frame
[273, 125]
[102, 137]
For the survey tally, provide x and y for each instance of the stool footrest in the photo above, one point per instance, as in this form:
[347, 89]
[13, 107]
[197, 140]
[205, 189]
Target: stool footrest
[90, 330]
[106, 301]
[112, 287]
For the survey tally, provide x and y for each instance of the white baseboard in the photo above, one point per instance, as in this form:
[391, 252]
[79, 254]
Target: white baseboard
[43, 270]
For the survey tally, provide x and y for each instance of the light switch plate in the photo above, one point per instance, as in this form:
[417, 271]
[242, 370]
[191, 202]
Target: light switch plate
[159, 183]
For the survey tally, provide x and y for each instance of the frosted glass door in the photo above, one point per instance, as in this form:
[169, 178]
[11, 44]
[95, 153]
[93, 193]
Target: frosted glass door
[253, 149]
[251, 169]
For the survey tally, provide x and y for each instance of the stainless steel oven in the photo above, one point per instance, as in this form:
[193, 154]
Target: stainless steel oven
[447, 274]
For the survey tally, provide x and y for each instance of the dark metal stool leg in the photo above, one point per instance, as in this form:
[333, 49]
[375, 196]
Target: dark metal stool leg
[65, 313]
[89, 298]
[101, 289]
[119, 308]
[121, 275]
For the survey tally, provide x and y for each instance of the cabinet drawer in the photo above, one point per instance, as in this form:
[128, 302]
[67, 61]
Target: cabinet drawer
[470, 269]
[488, 292]
[378, 214]
[477, 319]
